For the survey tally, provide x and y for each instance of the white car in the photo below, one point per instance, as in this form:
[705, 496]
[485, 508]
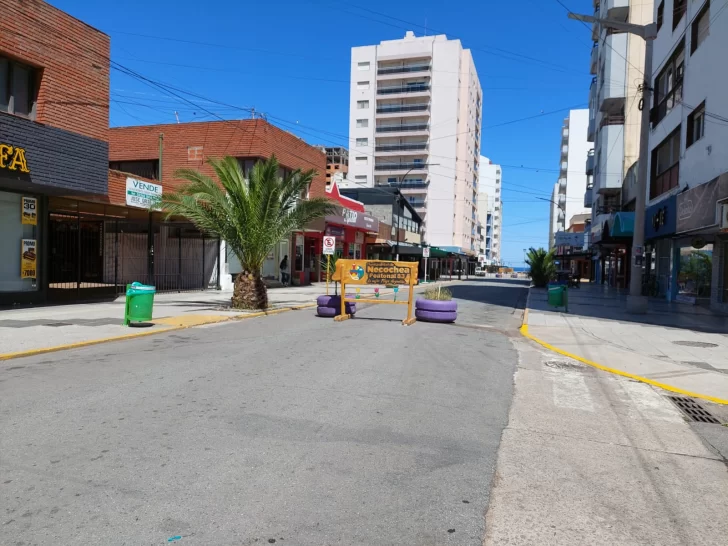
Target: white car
[479, 272]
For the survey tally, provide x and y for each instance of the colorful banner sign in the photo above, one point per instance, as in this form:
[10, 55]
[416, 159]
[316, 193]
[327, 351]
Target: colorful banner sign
[376, 272]
[28, 259]
[30, 211]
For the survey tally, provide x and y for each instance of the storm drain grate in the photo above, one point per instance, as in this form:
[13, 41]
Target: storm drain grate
[692, 409]
[698, 344]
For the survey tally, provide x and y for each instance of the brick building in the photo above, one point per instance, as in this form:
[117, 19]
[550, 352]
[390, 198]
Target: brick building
[136, 150]
[54, 119]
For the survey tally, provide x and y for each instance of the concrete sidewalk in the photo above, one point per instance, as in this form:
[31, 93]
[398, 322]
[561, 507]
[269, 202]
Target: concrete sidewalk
[684, 349]
[41, 328]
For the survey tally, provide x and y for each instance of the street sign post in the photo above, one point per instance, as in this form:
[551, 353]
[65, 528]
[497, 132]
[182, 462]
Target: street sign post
[329, 249]
[425, 255]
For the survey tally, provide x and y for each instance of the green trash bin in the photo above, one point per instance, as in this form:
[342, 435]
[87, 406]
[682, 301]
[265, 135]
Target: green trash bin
[139, 303]
[558, 296]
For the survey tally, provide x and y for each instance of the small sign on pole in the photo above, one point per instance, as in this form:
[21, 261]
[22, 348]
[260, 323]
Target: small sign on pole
[426, 252]
[329, 249]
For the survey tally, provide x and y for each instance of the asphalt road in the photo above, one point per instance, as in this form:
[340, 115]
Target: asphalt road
[287, 428]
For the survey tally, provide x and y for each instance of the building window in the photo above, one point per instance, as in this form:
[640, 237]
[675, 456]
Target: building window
[363, 65]
[660, 14]
[696, 125]
[360, 179]
[700, 28]
[146, 169]
[17, 88]
[362, 85]
[361, 160]
[362, 104]
[362, 142]
[666, 165]
[194, 153]
[669, 84]
[361, 123]
[681, 6]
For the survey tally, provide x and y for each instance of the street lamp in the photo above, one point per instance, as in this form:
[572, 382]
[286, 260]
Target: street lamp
[397, 197]
[636, 302]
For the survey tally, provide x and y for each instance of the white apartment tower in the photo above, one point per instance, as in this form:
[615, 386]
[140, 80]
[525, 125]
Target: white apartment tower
[568, 193]
[415, 118]
[489, 200]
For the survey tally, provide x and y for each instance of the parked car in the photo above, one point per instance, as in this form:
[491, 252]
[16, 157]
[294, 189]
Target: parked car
[479, 272]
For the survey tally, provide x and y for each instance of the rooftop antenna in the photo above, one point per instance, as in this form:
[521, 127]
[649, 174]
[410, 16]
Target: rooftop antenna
[176, 116]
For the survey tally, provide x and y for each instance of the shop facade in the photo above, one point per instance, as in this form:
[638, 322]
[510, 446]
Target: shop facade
[700, 266]
[659, 255]
[611, 242]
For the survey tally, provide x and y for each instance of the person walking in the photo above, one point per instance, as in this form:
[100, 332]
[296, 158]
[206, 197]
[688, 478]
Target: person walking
[284, 271]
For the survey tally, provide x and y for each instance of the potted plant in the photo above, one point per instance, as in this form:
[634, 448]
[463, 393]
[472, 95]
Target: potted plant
[436, 306]
[330, 306]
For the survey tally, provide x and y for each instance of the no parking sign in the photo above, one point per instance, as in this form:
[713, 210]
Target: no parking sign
[329, 245]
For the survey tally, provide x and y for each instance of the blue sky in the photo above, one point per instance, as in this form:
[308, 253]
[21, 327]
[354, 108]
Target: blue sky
[290, 59]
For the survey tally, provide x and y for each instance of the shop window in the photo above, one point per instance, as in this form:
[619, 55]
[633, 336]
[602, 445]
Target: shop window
[695, 273]
[669, 84]
[696, 125]
[15, 231]
[666, 165]
[17, 88]
[700, 28]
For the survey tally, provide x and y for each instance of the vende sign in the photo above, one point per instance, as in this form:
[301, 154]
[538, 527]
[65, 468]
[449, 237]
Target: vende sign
[142, 194]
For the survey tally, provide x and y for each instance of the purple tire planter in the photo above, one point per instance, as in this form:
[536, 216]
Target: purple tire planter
[334, 311]
[436, 305]
[331, 301]
[436, 316]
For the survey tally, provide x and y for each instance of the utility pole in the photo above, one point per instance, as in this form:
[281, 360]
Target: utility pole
[636, 302]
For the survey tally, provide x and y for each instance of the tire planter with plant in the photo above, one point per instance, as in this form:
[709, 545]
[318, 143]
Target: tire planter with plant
[436, 306]
[330, 306]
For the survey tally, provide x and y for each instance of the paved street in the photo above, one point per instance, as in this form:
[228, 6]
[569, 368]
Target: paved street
[286, 428]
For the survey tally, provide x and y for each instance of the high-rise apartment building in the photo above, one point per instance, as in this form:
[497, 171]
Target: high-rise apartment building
[415, 118]
[568, 193]
[490, 201]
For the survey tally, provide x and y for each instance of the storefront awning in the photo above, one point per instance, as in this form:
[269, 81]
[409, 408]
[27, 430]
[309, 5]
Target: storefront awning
[622, 224]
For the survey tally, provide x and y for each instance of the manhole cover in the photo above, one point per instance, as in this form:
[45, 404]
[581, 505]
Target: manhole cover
[699, 344]
[693, 410]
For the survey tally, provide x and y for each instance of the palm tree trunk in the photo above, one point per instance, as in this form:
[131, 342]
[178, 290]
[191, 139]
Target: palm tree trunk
[249, 292]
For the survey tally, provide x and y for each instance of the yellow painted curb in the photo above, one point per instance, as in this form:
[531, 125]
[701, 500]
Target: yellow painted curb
[670, 388]
[174, 323]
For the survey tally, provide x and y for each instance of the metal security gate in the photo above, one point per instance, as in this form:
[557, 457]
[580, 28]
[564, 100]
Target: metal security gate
[94, 255]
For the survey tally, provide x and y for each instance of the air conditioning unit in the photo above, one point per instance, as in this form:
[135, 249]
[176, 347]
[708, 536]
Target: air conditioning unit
[723, 211]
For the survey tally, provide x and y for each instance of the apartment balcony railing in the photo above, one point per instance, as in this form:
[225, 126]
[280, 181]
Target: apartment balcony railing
[413, 185]
[399, 166]
[402, 128]
[590, 162]
[562, 185]
[404, 69]
[401, 147]
[393, 109]
[418, 203]
[594, 61]
[403, 89]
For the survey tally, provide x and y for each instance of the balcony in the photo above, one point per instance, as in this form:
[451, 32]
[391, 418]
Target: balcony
[562, 185]
[414, 186]
[418, 203]
[402, 128]
[403, 108]
[594, 63]
[418, 89]
[591, 130]
[419, 146]
[590, 162]
[561, 200]
[401, 167]
[564, 150]
[612, 92]
[588, 201]
[616, 9]
[414, 69]
[595, 26]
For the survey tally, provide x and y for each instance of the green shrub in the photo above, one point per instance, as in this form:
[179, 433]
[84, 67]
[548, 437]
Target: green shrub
[543, 268]
[440, 294]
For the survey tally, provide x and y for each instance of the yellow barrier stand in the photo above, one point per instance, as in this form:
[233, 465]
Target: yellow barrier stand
[373, 272]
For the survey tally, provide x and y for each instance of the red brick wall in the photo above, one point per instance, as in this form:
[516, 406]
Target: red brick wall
[240, 138]
[73, 59]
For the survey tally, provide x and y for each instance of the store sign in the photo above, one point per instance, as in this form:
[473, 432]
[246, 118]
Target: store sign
[354, 219]
[142, 194]
[696, 208]
[28, 259]
[335, 231]
[566, 238]
[30, 211]
[12, 158]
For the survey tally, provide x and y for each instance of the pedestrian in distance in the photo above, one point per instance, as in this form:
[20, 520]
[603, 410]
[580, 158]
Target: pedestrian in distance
[284, 270]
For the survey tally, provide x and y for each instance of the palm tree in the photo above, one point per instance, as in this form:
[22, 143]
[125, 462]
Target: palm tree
[251, 215]
[543, 268]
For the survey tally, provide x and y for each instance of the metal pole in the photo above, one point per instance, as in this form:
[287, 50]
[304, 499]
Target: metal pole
[219, 264]
[328, 265]
[636, 302]
[425, 271]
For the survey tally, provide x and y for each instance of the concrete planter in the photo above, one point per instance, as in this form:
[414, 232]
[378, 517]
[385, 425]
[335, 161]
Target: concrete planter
[436, 310]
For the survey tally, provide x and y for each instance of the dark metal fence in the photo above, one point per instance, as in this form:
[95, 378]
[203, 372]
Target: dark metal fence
[97, 256]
